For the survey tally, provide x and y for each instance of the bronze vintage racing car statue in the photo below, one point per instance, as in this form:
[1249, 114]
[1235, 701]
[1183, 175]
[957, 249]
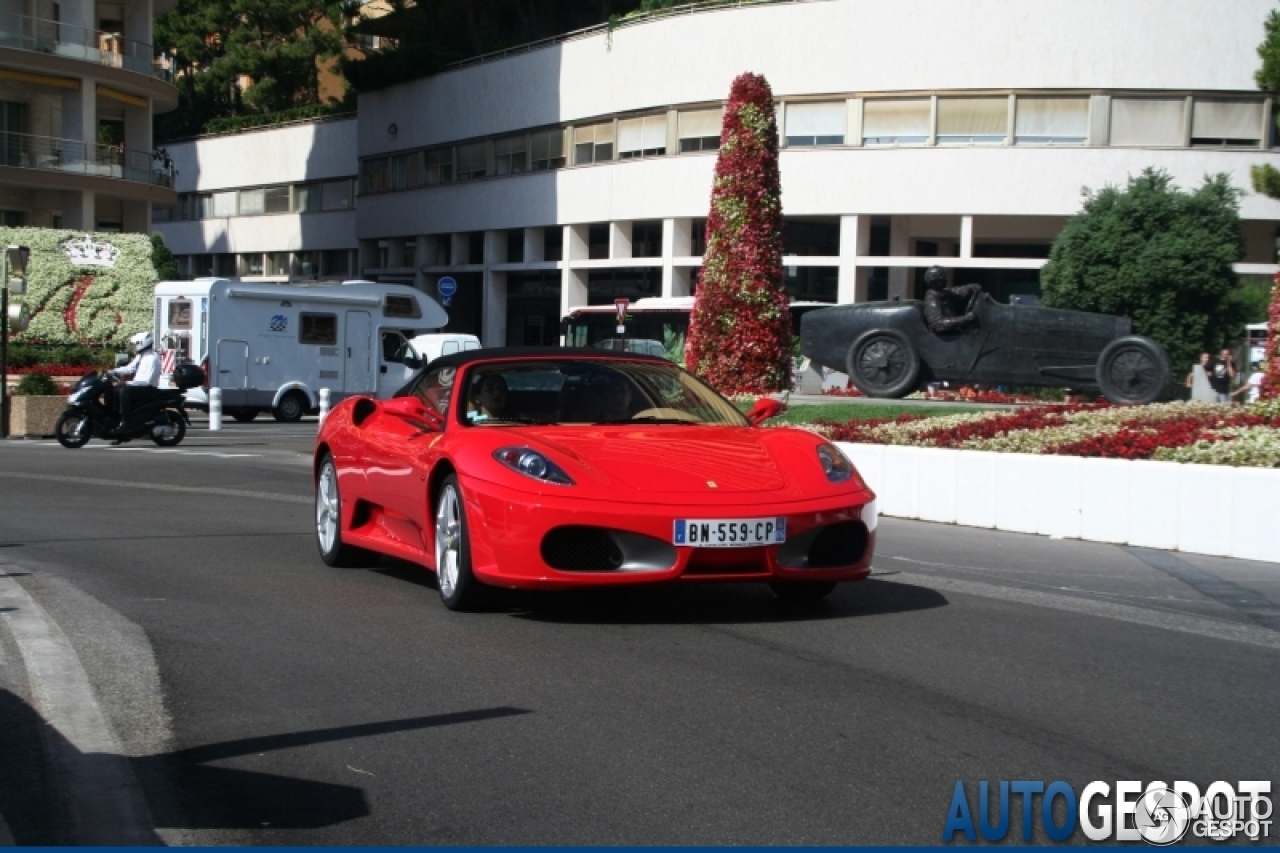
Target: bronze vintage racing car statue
[889, 350]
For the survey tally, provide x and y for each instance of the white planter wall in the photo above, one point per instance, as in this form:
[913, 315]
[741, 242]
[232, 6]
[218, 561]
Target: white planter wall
[1201, 509]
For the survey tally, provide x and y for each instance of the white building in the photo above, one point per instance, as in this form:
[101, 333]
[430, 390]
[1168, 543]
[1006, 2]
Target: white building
[79, 83]
[274, 205]
[915, 132]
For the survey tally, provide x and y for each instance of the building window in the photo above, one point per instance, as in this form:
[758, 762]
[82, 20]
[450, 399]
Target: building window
[816, 124]
[1147, 121]
[473, 161]
[598, 242]
[336, 261]
[895, 121]
[642, 137]
[224, 204]
[306, 265]
[275, 200]
[698, 237]
[321, 329]
[810, 237]
[1222, 122]
[510, 155]
[306, 198]
[400, 171]
[336, 195]
[202, 266]
[547, 147]
[699, 130]
[515, 246]
[553, 243]
[251, 202]
[646, 240]
[251, 264]
[439, 166]
[162, 214]
[375, 175]
[593, 143]
[1051, 121]
[965, 121]
[277, 263]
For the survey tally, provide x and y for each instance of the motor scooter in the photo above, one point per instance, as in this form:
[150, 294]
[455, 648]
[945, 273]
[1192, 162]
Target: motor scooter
[160, 417]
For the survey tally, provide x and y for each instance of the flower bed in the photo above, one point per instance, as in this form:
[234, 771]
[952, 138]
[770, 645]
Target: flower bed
[1184, 432]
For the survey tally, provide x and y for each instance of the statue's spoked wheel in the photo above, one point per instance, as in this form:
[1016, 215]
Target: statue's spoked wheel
[1133, 370]
[883, 363]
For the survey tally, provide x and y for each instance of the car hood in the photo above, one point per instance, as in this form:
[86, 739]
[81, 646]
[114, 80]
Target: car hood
[668, 459]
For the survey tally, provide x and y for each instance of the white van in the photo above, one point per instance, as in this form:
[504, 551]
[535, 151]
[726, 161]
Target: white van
[274, 346]
[431, 347]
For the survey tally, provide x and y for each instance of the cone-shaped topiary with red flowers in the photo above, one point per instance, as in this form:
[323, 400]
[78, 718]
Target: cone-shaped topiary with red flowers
[1271, 361]
[740, 333]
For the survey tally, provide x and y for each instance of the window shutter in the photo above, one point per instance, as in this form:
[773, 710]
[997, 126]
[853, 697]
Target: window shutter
[1218, 121]
[1052, 119]
[1147, 121]
[889, 119]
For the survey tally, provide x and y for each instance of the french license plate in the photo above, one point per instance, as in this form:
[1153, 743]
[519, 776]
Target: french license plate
[730, 532]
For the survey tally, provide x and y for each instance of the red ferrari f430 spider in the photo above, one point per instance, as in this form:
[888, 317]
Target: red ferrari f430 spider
[558, 468]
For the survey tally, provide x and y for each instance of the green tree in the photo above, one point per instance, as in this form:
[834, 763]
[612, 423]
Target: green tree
[1268, 76]
[1265, 177]
[162, 259]
[1157, 254]
[278, 46]
[740, 333]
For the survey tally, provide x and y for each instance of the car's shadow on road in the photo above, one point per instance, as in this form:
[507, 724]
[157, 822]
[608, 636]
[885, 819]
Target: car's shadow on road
[690, 603]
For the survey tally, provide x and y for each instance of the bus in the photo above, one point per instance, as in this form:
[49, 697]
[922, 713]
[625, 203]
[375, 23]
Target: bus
[655, 325]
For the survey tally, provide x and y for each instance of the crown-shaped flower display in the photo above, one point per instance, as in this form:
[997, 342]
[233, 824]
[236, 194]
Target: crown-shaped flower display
[87, 252]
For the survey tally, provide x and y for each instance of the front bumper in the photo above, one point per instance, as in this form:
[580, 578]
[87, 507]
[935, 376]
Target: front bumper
[507, 538]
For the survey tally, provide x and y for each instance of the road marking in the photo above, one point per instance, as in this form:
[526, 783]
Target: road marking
[162, 487]
[103, 798]
[1218, 630]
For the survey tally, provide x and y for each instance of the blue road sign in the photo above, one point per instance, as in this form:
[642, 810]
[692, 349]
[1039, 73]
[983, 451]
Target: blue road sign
[447, 286]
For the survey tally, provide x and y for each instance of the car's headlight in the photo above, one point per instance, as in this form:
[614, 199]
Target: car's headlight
[533, 464]
[835, 464]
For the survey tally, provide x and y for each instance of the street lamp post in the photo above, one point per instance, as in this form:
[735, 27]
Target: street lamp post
[14, 263]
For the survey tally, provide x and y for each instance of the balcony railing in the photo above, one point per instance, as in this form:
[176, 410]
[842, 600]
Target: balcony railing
[40, 34]
[71, 155]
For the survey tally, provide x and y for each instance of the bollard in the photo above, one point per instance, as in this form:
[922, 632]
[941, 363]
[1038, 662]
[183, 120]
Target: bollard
[324, 404]
[215, 408]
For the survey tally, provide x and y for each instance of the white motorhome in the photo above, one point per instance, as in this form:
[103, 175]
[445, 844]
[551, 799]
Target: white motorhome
[272, 347]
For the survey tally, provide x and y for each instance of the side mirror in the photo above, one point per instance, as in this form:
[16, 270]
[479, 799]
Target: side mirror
[414, 410]
[765, 408]
[412, 360]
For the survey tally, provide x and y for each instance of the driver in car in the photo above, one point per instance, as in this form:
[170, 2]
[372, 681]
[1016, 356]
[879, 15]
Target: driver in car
[947, 308]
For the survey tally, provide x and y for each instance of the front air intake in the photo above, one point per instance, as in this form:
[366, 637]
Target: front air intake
[840, 544]
[581, 549]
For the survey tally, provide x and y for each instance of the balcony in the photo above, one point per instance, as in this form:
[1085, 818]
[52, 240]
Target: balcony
[59, 39]
[71, 156]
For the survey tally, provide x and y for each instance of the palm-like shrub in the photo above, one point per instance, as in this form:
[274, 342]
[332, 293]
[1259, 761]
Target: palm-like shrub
[740, 332]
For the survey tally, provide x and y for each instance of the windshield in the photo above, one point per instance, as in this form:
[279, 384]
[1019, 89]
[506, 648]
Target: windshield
[583, 391]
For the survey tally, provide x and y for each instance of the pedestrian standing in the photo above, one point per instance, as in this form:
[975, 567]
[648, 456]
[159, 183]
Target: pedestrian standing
[1222, 371]
[1198, 381]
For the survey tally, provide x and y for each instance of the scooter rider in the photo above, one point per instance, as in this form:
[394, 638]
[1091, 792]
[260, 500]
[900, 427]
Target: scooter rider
[143, 372]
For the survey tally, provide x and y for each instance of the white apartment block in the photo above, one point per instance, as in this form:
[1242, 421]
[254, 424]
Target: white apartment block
[914, 132]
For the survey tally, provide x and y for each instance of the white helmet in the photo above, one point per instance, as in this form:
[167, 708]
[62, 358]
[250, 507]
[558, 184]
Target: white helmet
[141, 341]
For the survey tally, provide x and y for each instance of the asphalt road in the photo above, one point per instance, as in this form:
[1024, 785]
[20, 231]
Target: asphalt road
[258, 696]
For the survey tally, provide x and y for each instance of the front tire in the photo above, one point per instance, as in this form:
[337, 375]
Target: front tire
[291, 408]
[883, 363]
[333, 550]
[1133, 370]
[459, 589]
[802, 592]
[72, 429]
[180, 431]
